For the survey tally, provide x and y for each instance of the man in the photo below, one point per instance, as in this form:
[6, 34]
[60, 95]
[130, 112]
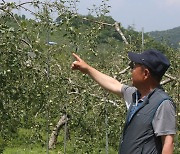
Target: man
[150, 122]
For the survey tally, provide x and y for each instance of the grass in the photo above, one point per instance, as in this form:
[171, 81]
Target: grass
[36, 150]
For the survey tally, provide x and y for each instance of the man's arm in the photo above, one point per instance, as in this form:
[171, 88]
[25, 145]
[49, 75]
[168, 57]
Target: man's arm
[168, 144]
[103, 80]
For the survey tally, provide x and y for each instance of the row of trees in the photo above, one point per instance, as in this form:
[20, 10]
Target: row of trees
[38, 89]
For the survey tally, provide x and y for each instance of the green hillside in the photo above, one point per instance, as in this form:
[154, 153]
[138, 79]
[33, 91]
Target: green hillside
[171, 36]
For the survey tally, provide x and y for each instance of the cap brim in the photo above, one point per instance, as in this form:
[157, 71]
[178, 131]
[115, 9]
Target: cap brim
[134, 57]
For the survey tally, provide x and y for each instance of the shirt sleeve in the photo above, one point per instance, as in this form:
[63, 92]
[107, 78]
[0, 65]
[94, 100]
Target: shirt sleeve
[127, 92]
[164, 122]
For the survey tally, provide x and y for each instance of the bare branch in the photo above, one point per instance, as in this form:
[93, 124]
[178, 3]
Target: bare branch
[166, 81]
[117, 27]
[125, 70]
[27, 43]
[171, 77]
[14, 18]
[26, 9]
[101, 23]
[24, 3]
[55, 132]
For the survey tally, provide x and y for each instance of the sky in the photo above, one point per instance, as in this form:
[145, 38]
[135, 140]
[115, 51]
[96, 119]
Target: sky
[151, 15]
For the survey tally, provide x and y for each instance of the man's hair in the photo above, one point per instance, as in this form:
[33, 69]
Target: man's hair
[157, 77]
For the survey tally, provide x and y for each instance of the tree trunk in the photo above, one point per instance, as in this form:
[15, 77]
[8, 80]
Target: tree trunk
[55, 132]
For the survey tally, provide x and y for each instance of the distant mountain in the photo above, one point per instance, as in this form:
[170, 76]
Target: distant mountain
[171, 36]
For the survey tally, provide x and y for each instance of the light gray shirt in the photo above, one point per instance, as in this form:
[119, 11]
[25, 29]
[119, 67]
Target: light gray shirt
[164, 122]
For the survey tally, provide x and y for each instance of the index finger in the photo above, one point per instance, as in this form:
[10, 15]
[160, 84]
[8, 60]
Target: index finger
[76, 56]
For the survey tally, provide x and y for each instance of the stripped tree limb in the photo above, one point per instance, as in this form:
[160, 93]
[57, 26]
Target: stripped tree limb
[27, 43]
[98, 22]
[171, 77]
[26, 9]
[55, 132]
[124, 71]
[166, 81]
[117, 27]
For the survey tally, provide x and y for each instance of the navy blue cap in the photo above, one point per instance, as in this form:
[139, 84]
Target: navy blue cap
[153, 59]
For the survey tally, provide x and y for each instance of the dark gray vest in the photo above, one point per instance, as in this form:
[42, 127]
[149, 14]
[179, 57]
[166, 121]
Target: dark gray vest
[138, 136]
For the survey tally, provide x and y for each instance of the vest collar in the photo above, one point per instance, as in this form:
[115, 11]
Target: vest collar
[146, 98]
[145, 101]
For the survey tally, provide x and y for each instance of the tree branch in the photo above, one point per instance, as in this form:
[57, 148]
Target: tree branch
[171, 77]
[166, 81]
[55, 132]
[101, 23]
[117, 27]
[125, 70]
[27, 43]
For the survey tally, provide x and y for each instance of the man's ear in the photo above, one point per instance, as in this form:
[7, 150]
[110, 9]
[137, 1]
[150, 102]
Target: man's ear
[146, 73]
